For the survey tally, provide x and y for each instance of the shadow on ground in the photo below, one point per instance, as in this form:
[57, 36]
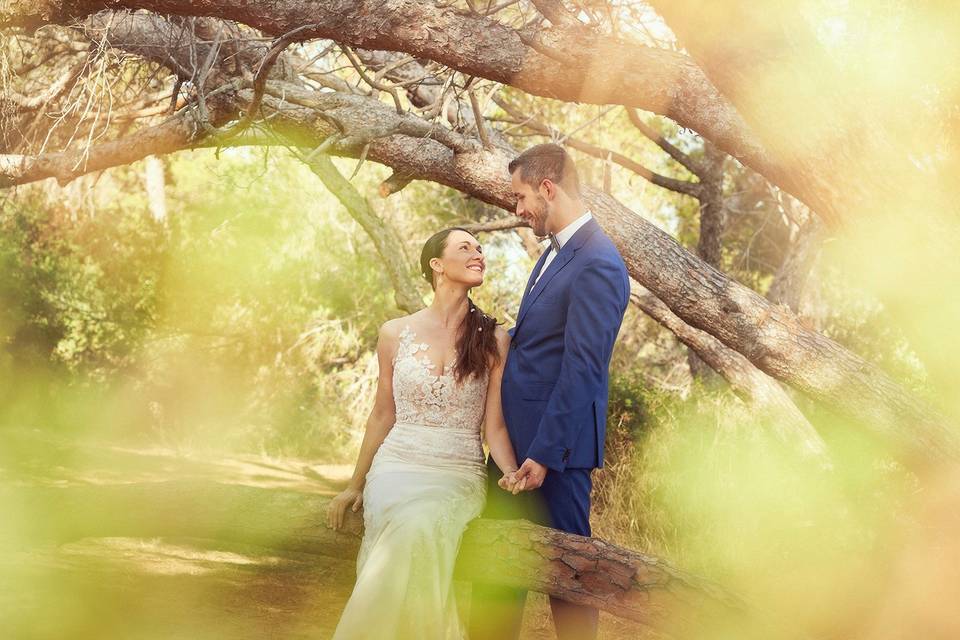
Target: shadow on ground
[147, 588]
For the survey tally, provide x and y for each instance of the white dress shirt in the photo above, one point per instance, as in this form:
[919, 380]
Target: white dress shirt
[562, 237]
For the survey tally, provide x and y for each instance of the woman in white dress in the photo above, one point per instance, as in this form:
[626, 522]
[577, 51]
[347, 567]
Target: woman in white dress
[420, 475]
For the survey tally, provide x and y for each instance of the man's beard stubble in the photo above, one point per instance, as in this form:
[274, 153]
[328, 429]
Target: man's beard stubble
[540, 220]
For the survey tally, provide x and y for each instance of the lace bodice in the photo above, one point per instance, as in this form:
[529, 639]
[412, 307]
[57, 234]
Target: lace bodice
[421, 397]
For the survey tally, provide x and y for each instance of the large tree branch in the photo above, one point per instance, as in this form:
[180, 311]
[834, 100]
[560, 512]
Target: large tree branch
[776, 409]
[664, 82]
[176, 133]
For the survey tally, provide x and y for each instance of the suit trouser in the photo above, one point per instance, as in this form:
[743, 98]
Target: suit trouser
[562, 502]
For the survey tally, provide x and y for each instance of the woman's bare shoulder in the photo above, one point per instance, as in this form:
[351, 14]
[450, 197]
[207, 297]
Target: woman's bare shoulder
[391, 328]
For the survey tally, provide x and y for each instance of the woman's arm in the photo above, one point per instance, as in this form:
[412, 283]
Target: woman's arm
[494, 426]
[379, 423]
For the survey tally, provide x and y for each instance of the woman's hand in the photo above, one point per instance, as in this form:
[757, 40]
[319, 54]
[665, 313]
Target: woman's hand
[508, 482]
[350, 497]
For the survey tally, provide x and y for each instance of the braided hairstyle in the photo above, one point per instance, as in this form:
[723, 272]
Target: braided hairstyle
[476, 339]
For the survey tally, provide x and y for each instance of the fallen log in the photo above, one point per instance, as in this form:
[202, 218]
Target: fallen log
[516, 553]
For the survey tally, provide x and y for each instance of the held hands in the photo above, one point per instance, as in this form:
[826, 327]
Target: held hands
[349, 497]
[510, 483]
[528, 477]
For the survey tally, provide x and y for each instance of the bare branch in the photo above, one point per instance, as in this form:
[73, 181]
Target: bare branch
[679, 186]
[393, 184]
[371, 81]
[557, 14]
[478, 116]
[692, 165]
[501, 224]
[263, 70]
[385, 238]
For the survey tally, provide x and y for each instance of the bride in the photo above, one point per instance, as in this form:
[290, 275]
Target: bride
[420, 475]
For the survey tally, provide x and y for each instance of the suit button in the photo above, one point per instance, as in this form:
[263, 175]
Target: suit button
[513, 345]
[566, 455]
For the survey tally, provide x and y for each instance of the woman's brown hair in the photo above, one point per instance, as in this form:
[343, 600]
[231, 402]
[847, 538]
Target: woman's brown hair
[476, 340]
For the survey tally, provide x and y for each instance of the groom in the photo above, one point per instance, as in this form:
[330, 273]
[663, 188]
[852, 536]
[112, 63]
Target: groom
[554, 388]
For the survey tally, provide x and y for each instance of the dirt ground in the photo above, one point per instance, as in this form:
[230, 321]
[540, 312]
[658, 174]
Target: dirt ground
[184, 588]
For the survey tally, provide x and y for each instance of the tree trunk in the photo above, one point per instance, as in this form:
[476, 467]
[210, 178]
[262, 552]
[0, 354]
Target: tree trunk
[776, 409]
[709, 243]
[154, 184]
[382, 234]
[794, 272]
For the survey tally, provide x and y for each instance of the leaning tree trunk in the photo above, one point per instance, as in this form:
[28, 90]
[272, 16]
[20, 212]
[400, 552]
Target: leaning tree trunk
[515, 553]
[877, 163]
[385, 238]
[775, 407]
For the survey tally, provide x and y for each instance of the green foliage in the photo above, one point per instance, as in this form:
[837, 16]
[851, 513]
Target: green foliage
[247, 320]
[188, 332]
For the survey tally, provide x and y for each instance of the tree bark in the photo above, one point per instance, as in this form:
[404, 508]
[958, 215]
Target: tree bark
[605, 70]
[516, 553]
[776, 410]
[712, 214]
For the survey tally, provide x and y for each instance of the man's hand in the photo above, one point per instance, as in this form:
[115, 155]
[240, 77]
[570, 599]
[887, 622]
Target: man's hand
[530, 475]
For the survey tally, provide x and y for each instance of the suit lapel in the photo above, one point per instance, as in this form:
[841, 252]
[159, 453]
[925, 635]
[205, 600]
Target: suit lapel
[533, 274]
[558, 263]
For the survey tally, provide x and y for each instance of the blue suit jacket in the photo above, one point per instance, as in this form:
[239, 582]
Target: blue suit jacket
[556, 375]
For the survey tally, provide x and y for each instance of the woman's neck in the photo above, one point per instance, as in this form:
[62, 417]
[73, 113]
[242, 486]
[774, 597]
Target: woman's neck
[450, 306]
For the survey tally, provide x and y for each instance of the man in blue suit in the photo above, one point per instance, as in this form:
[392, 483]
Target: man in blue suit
[555, 379]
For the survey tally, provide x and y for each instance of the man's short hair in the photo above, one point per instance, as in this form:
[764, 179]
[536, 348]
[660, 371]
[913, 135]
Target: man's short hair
[547, 161]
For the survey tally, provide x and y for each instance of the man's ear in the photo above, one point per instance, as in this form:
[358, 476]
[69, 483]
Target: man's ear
[547, 189]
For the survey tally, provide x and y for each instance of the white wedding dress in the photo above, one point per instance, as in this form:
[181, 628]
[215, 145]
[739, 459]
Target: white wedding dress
[426, 482]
